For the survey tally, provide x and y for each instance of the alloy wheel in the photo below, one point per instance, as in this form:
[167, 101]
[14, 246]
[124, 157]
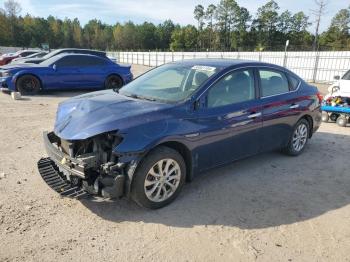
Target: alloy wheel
[300, 137]
[162, 180]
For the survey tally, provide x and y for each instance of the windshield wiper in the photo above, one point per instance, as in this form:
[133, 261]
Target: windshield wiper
[141, 97]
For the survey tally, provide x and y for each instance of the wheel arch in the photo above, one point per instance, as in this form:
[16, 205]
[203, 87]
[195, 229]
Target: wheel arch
[309, 119]
[28, 74]
[184, 151]
[115, 74]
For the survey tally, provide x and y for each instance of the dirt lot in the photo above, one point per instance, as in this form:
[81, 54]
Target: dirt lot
[266, 208]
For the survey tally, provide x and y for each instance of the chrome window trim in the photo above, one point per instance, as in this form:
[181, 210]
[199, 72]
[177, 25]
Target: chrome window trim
[289, 92]
[257, 67]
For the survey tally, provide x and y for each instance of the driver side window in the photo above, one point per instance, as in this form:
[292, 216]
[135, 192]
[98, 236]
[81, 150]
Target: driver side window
[235, 87]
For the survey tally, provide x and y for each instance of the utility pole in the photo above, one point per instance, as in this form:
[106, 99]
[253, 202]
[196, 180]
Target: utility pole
[318, 13]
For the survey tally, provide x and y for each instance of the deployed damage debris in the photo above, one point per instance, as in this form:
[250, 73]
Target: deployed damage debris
[83, 164]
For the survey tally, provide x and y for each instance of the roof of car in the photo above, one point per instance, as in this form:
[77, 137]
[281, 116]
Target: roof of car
[79, 49]
[221, 62]
[76, 54]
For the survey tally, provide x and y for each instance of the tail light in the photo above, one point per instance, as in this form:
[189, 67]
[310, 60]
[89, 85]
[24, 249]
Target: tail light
[320, 97]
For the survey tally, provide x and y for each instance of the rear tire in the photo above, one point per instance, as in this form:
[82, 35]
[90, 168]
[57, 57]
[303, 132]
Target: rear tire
[28, 85]
[299, 138]
[159, 178]
[113, 82]
[342, 121]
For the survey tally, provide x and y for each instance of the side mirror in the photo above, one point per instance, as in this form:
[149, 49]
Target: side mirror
[336, 77]
[196, 105]
[54, 67]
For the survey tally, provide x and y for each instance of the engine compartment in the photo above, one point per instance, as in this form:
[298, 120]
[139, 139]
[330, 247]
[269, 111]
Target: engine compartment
[101, 174]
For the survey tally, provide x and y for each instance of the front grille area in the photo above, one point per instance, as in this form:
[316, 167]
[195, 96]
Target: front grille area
[56, 180]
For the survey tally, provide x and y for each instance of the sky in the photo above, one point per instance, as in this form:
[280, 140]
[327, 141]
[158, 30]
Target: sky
[156, 11]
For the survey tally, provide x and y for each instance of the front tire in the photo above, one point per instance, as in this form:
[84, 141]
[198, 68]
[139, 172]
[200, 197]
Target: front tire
[325, 117]
[342, 121]
[159, 178]
[299, 139]
[28, 85]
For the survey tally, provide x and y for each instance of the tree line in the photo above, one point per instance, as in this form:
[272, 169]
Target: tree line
[222, 27]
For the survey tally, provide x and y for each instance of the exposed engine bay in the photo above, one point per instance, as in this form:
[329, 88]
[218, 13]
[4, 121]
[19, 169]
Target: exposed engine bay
[89, 164]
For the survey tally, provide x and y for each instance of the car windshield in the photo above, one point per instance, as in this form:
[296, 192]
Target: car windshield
[346, 76]
[50, 61]
[169, 83]
[51, 54]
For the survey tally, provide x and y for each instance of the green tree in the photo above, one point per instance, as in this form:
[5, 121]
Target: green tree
[164, 32]
[148, 36]
[209, 16]
[266, 23]
[227, 15]
[337, 36]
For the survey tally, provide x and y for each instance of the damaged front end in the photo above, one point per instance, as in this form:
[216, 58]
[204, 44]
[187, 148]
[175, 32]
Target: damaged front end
[77, 167]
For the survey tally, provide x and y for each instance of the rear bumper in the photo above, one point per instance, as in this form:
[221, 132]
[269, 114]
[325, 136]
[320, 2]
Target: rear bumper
[317, 120]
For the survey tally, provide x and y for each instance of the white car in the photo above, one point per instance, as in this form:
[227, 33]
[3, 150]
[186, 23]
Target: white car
[342, 86]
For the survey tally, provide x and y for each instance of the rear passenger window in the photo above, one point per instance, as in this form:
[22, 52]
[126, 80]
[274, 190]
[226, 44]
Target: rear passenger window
[293, 83]
[91, 61]
[273, 83]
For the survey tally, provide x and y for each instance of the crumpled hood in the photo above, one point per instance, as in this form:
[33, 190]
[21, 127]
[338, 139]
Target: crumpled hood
[95, 113]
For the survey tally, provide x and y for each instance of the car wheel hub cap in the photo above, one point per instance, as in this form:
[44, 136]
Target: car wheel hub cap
[162, 180]
[28, 84]
[299, 137]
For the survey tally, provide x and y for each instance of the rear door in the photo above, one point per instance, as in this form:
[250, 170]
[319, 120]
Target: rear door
[93, 71]
[231, 120]
[280, 107]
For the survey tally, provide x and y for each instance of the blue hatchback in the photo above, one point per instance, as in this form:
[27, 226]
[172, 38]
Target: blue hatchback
[174, 122]
[64, 72]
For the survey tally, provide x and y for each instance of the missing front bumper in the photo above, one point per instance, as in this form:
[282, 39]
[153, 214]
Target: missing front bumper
[72, 177]
[56, 180]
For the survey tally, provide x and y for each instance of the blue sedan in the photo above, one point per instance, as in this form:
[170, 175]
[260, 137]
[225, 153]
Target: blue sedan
[64, 71]
[174, 122]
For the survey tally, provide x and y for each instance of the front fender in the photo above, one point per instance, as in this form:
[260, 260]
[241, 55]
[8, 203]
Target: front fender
[138, 142]
[22, 73]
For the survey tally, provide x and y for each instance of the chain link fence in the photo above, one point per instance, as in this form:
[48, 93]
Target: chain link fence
[318, 67]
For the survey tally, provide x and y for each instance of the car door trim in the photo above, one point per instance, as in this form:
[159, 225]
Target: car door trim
[259, 86]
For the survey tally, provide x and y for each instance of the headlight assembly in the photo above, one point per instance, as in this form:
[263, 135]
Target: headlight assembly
[6, 73]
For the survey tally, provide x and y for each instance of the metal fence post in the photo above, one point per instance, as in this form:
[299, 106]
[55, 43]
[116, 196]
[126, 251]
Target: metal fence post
[260, 56]
[314, 77]
[183, 56]
[164, 57]
[156, 59]
[172, 56]
[143, 58]
[132, 57]
[137, 58]
[127, 58]
[285, 59]
[149, 58]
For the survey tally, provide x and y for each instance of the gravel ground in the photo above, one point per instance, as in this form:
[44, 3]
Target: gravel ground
[266, 208]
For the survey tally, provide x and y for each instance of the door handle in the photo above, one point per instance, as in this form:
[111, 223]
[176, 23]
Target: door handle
[294, 106]
[254, 115]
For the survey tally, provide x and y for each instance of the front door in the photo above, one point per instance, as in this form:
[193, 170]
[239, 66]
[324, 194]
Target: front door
[230, 121]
